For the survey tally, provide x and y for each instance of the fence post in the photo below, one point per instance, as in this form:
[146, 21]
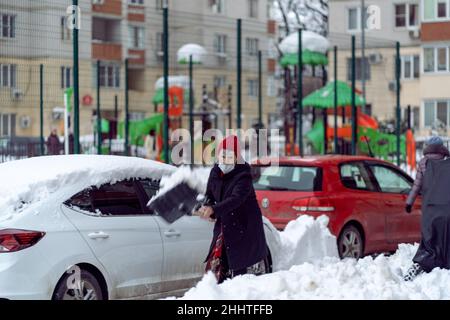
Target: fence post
[230, 106]
[354, 110]
[191, 107]
[260, 98]
[41, 107]
[239, 74]
[99, 120]
[166, 81]
[76, 84]
[398, 114]
[336, 140]
[300, 94]
[127, 114]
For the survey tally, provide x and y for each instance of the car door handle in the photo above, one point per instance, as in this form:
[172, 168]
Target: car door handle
[172, 233]
[98, 235]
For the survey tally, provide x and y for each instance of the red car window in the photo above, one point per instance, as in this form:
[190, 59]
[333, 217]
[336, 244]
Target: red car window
[355, 176]
[292, 178]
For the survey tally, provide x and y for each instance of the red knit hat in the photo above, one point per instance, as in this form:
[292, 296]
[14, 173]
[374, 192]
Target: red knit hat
[230, 143]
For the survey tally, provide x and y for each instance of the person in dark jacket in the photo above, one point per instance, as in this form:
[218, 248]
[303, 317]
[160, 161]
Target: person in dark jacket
[54, 146]
[430, 249]
[434, 150]
[238, 245]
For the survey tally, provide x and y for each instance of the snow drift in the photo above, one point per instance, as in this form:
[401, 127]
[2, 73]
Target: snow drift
[331, 278]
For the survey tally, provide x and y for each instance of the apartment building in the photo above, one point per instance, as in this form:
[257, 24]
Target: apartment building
[435, 68]
[399, 20]
[34, 32]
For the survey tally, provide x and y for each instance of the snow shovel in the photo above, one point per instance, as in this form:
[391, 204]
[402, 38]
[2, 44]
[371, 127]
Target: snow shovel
[176, 203]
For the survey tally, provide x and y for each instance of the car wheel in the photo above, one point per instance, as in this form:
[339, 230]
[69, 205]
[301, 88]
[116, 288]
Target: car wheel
[350, 243]
[88, 288]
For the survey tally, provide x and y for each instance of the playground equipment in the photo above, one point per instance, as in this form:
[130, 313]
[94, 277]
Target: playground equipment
[314, 50]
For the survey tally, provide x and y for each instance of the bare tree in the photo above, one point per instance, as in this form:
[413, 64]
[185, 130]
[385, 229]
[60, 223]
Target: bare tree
[309, 15]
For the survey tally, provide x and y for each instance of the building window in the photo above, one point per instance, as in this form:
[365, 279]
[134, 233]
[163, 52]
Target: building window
[8, 25]
[442, 9]
[136, 37]
[66, 77]
[253, 8]
[252, 86]
[410, 66]
[436, 114]
[252, 46]
[400, 15]
[140, 2]
[436, 59]
[359, 65]
[136, 116]
[109, 75]
[271, 86]
[66, 33]
[354, 19]
[8, 75]
[160, 4]
[7, 124]
[160, 42]
[220, 81]
[406, 15]
[220, 43]
[435, 9]
[217, 6]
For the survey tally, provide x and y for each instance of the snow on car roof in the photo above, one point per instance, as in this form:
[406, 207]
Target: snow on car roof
[33, 180]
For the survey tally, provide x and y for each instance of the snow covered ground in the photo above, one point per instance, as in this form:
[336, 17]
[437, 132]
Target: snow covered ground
[310, 269]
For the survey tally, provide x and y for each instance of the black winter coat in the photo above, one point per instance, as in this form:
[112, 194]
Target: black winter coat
[236, 210]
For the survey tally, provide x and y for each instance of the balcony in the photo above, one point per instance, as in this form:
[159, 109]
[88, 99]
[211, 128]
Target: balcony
[136, 57]
[106, 39]
[106, 51]
[136, 13]
[435, 31]
[113, 7]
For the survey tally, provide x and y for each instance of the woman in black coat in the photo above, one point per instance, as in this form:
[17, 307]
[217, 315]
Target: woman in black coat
[239, 245]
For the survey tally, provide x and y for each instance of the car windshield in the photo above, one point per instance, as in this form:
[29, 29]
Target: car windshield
[290, 178]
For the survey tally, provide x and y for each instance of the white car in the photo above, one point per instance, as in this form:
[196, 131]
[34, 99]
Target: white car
[68, 218]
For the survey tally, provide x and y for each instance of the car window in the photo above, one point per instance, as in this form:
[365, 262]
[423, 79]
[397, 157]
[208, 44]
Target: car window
[287, 178]
[150, 187]
[118, 199]
[390, 180]
[355, 176]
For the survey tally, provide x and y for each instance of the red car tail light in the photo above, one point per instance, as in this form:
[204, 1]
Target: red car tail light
[12, 240]
[313, 204]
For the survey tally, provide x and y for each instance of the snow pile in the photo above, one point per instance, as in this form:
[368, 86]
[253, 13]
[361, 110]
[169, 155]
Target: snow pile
[196, 178]
[52, 180]
[332, 278]
[197, 52]
[304, 240]
[310, 40]
[174, 81]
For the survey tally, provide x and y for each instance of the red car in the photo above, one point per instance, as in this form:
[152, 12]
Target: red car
[363, 197]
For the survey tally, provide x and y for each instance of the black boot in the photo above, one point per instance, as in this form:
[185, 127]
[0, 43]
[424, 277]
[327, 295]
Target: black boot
[413, 272]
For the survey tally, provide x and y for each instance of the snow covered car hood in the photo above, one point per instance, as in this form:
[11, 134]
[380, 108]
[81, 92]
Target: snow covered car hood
[29, 184]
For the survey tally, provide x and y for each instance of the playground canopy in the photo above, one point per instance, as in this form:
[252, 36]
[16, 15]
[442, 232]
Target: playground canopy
[314, 46]
[142, 127]
[323, 98]
[197, 52]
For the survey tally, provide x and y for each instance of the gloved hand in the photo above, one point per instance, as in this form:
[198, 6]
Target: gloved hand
[408, 208]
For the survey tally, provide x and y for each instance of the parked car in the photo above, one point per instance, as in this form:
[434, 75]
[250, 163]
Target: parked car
[363, 197]
[65, 217]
